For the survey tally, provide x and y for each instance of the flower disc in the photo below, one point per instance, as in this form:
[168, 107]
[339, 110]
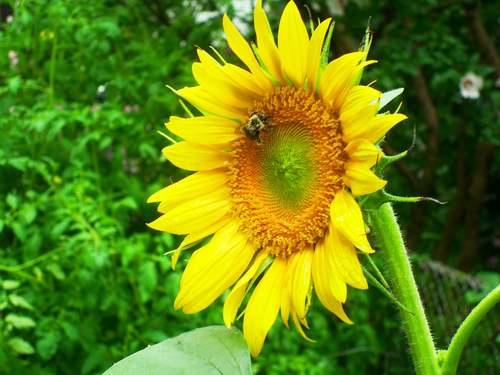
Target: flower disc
[284, 185]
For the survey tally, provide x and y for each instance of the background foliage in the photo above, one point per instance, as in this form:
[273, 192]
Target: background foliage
[83, 282]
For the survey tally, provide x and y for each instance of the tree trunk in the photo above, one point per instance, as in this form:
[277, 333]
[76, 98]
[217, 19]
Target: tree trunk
[469, 252]
[455, 214]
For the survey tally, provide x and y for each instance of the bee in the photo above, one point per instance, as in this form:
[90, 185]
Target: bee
[256, 124]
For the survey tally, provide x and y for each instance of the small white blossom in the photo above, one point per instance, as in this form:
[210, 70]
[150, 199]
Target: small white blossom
[13, 58]
[470, 85]
[101, 89]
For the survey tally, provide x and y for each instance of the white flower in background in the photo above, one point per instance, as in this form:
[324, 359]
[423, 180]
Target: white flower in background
[9, 19]
[204, 16]
[13, 58]
[470, 85]
[101, 89]
[244, 10]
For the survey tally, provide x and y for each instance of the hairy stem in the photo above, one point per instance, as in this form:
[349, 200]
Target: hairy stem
[403, 285]
[465, 330]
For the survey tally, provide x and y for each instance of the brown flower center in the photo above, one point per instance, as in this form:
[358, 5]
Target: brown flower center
[286, 169]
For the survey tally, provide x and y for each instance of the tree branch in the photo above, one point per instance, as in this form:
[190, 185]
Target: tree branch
[455, 214]
[481, 38]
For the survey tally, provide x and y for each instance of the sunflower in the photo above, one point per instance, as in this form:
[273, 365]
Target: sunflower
[281, 151]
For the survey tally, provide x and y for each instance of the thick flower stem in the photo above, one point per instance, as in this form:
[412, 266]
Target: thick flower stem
[465, 330]
[403, 285]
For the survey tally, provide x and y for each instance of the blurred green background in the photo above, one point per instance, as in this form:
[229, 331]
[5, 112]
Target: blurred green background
[83, 281]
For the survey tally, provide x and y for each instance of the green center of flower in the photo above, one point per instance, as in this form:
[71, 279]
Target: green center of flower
[288, 164]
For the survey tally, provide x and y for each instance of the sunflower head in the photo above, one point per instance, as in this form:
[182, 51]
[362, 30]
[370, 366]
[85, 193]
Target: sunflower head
[280, 151]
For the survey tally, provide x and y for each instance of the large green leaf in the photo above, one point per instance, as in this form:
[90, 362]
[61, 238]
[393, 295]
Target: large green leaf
[209, 350]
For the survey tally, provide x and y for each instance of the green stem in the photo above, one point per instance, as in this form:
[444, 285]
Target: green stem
[465, 330]
[403, 285]
[30, 263]
[52, 70]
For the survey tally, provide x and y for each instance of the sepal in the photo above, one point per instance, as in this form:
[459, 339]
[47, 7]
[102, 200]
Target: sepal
[374, 201]
[387, 160]
[323, 62]
[364, 47]
[386, 292]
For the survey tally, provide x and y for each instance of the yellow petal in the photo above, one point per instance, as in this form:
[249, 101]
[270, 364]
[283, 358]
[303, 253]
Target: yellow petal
[190, 187]
[346, 216]
[327, 274]
[170, 204]
[263, 306]
[293, 44]
[374, 129]
[339, 78]
[225, 92]
[207, 103]
[345, 259]
[198, 235]
[231, 73]
[336, 71]
[362, 152]
[265, 42]
[360, 96]
[195, 214]
[204, 130]
[323, 290]
[235, 297]
[338, 99]
[301, 281]
[298, 325]
[212, 227]
[194, 157]
[212, 269]
[225, 238]
[244, 78]
[314, 53]
[242, 49]
[362, 180]
[361, 105]
[286, 292]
